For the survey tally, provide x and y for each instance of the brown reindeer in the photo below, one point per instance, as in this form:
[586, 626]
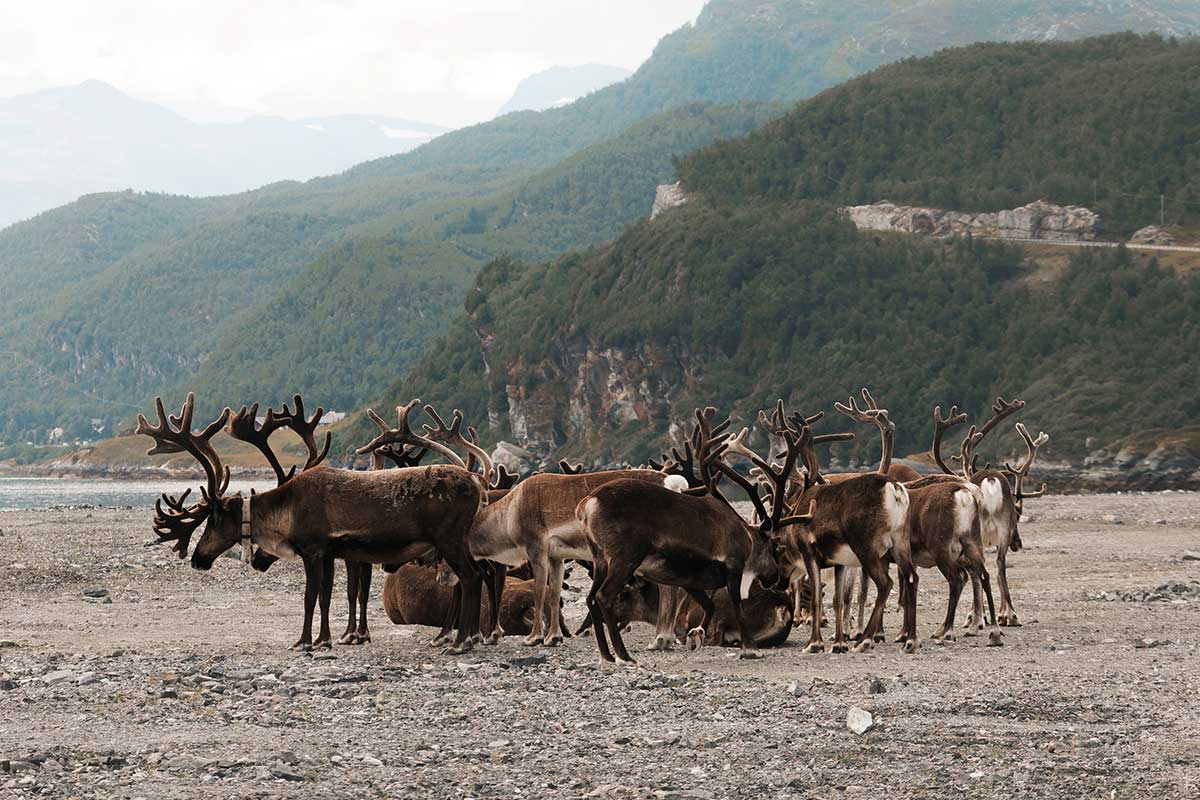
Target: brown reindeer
[1001, 504]
[383, 517]
[695, 541]
[535, 522]
[414, 595]
[859, 522]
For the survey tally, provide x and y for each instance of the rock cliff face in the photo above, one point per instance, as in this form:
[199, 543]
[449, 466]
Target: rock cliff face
[1037, 220]
[667, 196]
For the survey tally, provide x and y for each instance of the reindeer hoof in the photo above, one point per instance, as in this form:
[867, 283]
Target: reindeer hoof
[364, 638]
[626, 663]
[553, 641]
[839, 647]
[879, 637]
[324, 644]
[994, 639]
[458, 649]
[900, 637]
[865, 646]
[695, 638]
[661, 643]
[1009, 621]
[750, 655]
[301, 647]
[532, 640]
[349, 637]
[911, 645]
[494, 637]
[814, 647]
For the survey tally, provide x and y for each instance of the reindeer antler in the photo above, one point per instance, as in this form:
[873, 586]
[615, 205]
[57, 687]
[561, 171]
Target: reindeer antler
[940, 426]
[305, 428]
[1001, 409]
[777, 479]
[173, 434]
[452, 434]
[1022, 472]
[875, 415]
[575, 469]
[504, 479]
[244, 427]
[403, 434]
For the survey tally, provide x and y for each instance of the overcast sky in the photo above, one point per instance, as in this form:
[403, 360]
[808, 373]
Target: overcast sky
[445, 61]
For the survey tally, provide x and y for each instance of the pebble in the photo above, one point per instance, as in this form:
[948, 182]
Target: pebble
[371, 761]
[96, 592]
[530, 661]
[58, 676]
[859, 721]
[797, 689]
[876, 687]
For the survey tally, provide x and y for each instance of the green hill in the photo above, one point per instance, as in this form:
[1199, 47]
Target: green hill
[131, 295]
[758, 288]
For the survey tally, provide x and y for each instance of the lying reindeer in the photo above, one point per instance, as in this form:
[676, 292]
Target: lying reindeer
[322, 514]
[413, 595]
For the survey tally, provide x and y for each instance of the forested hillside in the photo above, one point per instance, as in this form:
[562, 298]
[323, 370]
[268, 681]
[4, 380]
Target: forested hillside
[989, 127]
[597, 352]
[758, 287]
[228, 294]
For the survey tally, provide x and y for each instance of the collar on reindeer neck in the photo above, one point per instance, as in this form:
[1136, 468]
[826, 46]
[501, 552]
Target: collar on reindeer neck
[247, 548]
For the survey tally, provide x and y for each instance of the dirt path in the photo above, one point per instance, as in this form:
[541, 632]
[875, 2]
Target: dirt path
[182, 686]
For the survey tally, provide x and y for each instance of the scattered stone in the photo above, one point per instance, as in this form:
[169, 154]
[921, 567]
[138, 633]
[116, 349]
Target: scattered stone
[530, 661]
[7, 643]
[797, 689]
[287, 775]
[859, 721]
[1111, 519]
[1188, 555]
[7, 684]
[371, 761]
[876, 686]
[57, 676]
[96, 592]
[1145, 644]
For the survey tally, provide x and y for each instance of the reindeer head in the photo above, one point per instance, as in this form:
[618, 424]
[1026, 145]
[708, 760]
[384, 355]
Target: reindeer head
[221, 515]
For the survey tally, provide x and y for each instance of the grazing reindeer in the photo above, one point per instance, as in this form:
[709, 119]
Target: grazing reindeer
[696, 541]
[767, 613]
[859, 522]
[383, 517]
[1001, 505]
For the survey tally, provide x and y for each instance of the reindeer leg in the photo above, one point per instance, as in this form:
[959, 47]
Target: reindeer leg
[815, 642]
[883, 586]
[554, 603]
[451, 621]
[953, 574]
[862, 604]
[799, 610]
[1008, 614]
[364, 596]
[848, 599]
[311, 585]
[495, 589]
[471, 583]
[606, 598]
[734, 586]
[539, 564]
[350, 635]
[595, 615]
[695, 637]
[975, 619]
[839, 601]
[903, 635]
[994, 635]
[325, 637]
[664, 624]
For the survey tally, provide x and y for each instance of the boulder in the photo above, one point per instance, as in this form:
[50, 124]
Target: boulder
[1152, 234]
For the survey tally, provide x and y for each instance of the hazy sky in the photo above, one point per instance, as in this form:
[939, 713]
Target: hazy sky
[444, 61]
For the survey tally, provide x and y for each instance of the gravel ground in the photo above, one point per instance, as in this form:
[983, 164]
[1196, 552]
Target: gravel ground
[179, 684]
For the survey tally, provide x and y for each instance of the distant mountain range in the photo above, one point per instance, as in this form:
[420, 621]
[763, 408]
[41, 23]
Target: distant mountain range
[559, 86]
[61, 143]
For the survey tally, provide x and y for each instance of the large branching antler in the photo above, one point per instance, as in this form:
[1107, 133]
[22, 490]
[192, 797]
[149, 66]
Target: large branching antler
[776, 479]
[940, 426]
[245, 427]
[402, 434]
[1021, 472]
[173, 434]
[877, 416]
[452, 435]
[1001, 410]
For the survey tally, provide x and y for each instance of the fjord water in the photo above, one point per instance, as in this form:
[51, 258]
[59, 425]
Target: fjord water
[18, 494]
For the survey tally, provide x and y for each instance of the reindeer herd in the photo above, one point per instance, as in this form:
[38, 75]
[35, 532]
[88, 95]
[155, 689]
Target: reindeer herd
[470, 547]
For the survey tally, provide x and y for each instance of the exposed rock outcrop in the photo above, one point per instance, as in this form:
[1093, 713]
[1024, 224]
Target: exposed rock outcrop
[1037, 220]
[1152, 234]
[667, 196]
